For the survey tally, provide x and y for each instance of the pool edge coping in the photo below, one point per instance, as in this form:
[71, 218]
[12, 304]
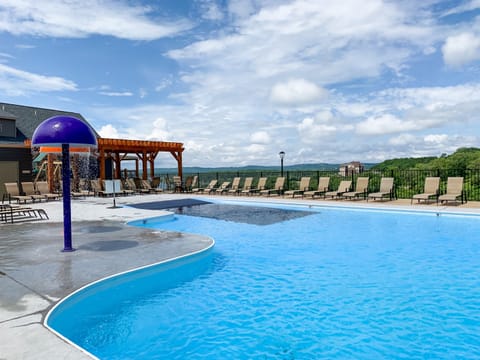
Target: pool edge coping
[65, 298]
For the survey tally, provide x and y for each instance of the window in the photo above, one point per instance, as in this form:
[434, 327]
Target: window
[8, 128]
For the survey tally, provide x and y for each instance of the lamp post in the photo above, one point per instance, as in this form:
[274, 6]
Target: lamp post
[282, 155]
[65, 131]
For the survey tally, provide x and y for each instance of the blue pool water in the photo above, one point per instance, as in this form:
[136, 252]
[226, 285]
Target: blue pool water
[336, 284]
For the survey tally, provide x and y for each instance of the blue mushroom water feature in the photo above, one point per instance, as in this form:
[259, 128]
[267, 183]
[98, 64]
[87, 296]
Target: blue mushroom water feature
[65, 131]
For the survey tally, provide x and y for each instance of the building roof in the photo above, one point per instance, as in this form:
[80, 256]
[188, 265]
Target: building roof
[28, 118]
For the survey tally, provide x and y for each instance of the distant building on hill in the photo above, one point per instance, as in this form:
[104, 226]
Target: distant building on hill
[353, 167]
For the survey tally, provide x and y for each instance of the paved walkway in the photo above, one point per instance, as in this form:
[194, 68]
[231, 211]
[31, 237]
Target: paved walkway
[35, 274]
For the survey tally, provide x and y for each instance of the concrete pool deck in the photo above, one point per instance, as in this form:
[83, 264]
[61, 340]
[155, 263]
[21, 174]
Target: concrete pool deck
[35, 274]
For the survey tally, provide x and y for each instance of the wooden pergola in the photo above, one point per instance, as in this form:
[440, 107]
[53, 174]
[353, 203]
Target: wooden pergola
[146, 152]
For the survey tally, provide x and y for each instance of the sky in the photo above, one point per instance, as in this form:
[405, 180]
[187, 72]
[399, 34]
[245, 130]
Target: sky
[238, 81]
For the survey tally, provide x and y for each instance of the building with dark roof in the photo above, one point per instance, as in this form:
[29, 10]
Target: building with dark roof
[17, 124]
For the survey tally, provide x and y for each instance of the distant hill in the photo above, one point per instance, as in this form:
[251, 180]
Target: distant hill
[296, 167]
[461, 159]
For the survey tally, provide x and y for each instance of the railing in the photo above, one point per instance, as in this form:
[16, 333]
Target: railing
[407, 182]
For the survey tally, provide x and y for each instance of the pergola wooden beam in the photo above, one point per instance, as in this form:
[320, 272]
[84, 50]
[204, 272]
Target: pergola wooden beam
[146, 151]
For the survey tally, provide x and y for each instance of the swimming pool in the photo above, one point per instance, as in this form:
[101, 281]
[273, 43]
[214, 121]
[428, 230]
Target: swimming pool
[336, 283]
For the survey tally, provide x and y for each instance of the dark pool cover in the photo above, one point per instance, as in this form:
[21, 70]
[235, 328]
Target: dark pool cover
[255, 215]
[169, 204]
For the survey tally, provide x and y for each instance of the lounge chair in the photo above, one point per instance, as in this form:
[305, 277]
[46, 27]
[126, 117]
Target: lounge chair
[42, 189]
[343, 187]
[386, 189]
[235, 189]
[262, 183]
[322, 188]
[146, 186]
[210, 187]
[190, 183]
[124, 190]
[177, 183]
[133, 186]
[247, 186]
[96, 187]
[12, 192]
[277, 188]
[431, 190]
[223, 188]
[304, 186]
[361, 189]
[112, 187]
[454, 190]
[29, 190]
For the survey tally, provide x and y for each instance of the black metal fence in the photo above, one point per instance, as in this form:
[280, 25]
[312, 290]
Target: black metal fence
[407, 182]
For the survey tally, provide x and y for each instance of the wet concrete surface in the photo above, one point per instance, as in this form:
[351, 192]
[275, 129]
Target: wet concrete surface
[35, 274]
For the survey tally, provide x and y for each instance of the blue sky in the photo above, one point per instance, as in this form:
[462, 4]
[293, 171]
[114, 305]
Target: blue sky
[237, 81]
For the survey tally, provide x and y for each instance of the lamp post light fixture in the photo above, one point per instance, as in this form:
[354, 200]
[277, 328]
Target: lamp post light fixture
[282, 155]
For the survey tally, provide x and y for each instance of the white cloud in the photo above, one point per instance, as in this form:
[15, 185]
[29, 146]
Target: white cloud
[163, 84]
[241, 9]
[296, 92]
[437, 138]
[211, 11]
[160, 130]
[25, 46]
[255, 149]
[260, 137]
[109, 131]
[311, 130]
[461, 49]
[402, 139]
[81, 18]
[116, 93]
[19, 82]
[389, 124]
[464, 7]
[5, 55]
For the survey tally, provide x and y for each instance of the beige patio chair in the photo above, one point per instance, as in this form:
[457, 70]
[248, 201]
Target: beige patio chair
[210, 187]
[195, 185]
[454, 190]
[277, 188]
[222, 188]
[304, 186]
[235, 189]
[386, 189]
[84, 189]
[42, 189]
[247, 186]
[343, 187]
[146, 186]
[29, 190]
[12, 192]
[190, 183]
[322, 188]
[431, 190]
[361, 189]
[262, 183]
[133, 186]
